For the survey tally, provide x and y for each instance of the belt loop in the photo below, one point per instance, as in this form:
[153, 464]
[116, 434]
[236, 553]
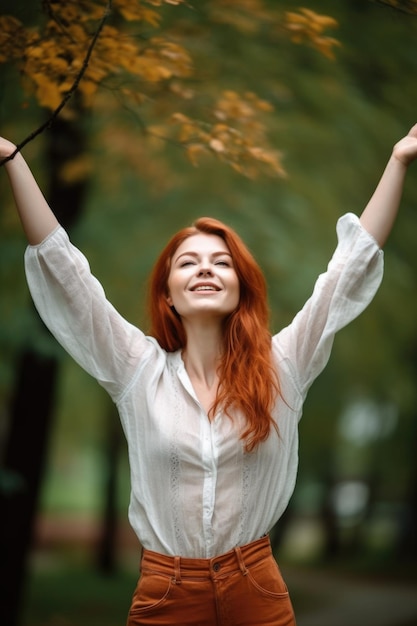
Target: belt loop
[241, 562]
[141, 558]
[177, 570]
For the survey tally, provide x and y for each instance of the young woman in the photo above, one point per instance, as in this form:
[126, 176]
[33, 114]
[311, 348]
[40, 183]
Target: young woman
[209, 401]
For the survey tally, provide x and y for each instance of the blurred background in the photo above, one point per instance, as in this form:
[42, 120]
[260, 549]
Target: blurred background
[317, 98]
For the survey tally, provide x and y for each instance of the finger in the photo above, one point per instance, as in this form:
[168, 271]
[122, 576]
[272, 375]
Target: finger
[413, 131]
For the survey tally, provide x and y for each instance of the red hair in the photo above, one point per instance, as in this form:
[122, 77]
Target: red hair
[249, 381]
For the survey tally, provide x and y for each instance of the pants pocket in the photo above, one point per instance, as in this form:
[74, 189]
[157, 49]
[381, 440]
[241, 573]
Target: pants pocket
[266, 578]
[151, 592]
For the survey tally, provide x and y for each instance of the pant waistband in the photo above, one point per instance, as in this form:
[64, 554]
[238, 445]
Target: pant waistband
[180, 567]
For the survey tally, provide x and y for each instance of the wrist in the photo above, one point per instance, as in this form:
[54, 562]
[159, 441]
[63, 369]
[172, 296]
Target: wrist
[399, 160]
[12, 159]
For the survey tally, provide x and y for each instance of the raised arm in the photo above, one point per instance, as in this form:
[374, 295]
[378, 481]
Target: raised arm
[379, 215]
[37, 219]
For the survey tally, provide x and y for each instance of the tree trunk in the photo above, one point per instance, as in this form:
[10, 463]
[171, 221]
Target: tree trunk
[328, 518]
[31, 413]
[407, 536]
[31, 416]
[106, 549]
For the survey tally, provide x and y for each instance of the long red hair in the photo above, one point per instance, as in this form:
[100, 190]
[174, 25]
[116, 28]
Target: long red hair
[249, 381]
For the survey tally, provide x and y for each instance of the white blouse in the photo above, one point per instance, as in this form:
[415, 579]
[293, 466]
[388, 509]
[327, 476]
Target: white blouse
[195, 492]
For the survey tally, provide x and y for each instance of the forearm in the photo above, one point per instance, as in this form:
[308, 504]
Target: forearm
[379, 215]
[37, 219]
[381, 211]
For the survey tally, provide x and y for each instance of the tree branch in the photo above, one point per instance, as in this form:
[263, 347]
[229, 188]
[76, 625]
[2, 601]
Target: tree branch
[71, 90]
[409, 7]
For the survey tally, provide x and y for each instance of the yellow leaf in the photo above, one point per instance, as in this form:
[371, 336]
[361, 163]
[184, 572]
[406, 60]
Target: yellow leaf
[216, 145]
[180, 118]
[180, 90]
[88, 87]
[193, 151]
[13, 38]
[308, 27]
[187, 131]
[47, 92]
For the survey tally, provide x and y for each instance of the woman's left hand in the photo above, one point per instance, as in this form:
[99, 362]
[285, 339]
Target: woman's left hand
[406, 149]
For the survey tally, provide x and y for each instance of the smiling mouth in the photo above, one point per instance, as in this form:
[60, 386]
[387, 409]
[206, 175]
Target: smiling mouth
[204, 289]
[200, 288]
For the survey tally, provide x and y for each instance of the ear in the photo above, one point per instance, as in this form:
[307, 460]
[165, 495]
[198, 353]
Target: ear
[169, 300]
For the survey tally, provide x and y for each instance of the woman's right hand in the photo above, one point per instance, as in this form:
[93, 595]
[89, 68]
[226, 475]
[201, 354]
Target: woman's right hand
[6, 148]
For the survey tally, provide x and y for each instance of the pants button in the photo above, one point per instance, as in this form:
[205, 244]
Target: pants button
[216, 567]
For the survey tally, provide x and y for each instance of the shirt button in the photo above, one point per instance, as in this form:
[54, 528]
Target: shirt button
[217, 567]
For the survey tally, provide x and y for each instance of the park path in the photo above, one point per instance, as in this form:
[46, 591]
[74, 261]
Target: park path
[334, 600]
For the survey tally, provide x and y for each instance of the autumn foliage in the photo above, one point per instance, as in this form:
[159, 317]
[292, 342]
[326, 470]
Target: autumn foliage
[306, 26]
[122, 48]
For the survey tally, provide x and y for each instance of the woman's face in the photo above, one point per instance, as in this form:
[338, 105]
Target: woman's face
[202, 280]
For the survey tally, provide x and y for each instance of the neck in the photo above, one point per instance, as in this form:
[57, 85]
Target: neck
[202, 353]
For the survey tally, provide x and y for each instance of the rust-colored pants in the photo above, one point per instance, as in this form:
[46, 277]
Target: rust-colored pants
[243, 587]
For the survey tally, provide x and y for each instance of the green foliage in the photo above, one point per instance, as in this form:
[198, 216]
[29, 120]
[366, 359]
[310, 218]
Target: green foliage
[334, 124]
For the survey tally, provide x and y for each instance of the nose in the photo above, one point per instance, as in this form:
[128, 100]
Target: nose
[205, 270]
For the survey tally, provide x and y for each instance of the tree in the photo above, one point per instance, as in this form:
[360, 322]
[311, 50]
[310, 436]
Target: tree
[146, 60]
[85, 56]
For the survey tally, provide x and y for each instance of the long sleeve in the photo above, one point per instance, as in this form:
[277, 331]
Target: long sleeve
[339, 296]
[73, 305]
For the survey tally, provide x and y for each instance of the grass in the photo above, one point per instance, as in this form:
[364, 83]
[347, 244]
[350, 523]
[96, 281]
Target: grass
[77, 596]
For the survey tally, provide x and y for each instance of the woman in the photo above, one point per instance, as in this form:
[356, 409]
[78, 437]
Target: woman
[209, 402]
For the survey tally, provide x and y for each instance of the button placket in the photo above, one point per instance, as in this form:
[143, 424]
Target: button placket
[209, 462]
